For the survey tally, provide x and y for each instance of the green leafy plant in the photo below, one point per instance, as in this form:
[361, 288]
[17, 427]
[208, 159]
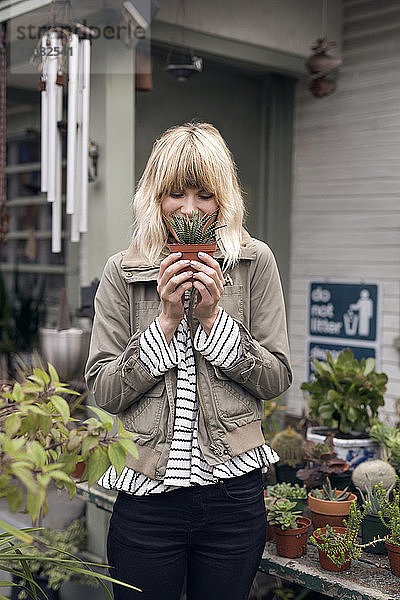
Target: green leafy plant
[287, 490]
[330, 494]
[390, 511]
[340, 547]
[194, 229]
[321, 462]
[40, 442]
[345, 393]
[281, 514]
[389, 439]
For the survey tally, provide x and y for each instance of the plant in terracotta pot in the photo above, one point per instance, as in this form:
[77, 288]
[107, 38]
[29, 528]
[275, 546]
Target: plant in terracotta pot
[390, 517]
[194, 233]
[372, 526]
[329, 506]
[345, 396]
[289, 528]
[293, 492]
[337, 546]
[322, 462]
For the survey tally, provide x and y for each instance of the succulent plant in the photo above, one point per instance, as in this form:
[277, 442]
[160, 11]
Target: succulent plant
[287, 490]
[321, 462]
[371, 496]
[389, 439]
[374, 471]
[331, 494]
[194, 229]
[289, 446]
[390, 513]
[281, 514]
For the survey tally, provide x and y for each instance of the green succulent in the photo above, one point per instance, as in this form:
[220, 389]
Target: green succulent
[281, 514]
[287, 490]
[390, 513]
[340, 547]
[389, 438]
[331, 494]
[194, 229]
[371, 496]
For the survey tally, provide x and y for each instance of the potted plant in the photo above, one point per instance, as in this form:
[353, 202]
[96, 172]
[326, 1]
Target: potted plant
[372, 526]
[288, 444]
[268, 501]
[51, 575]
[195, 233]
[389, 440]
[329, 506]
[337, 546]
[289, 528]
[322, 462]
[293, 492]
[345, 396]
[390, 517]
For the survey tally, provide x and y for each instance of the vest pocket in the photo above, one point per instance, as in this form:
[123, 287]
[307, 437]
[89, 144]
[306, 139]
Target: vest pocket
[145, 313]
[143, 417]
[232, 301]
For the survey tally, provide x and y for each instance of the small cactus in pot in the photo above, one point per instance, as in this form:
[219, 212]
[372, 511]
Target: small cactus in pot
[194, 233]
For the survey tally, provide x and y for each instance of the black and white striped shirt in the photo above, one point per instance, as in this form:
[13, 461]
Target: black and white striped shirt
[186, 465]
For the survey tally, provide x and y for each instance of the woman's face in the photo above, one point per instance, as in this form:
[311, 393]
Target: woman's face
[184, 202]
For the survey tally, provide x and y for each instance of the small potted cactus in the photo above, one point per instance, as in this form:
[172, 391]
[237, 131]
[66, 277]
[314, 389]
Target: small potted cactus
[289, 528]
[195, 233]
[288, 444]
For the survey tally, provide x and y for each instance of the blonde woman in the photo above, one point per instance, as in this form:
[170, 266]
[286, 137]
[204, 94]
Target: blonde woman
[192, 502]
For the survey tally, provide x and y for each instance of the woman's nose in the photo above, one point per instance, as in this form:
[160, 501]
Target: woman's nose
[188, 206]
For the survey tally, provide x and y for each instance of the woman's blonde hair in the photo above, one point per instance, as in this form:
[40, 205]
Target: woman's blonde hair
[189, 155]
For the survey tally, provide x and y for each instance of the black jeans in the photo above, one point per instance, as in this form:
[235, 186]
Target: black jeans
[214, 533]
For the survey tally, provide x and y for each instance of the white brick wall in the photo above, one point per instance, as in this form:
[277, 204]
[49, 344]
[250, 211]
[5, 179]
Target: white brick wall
[346, 183]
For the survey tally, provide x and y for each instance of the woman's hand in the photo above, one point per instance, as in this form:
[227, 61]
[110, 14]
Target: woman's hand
[209, 282]
[171, 286]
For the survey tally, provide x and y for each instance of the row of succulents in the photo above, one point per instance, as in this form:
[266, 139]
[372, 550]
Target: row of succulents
[336, 520]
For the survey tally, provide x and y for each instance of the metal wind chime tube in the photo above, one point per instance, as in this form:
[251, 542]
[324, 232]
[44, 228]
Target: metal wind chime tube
[44, 123]
[57, 204]
[73, 70]
[78, 97]
[83, 215]
[51, 87]
[75, 236]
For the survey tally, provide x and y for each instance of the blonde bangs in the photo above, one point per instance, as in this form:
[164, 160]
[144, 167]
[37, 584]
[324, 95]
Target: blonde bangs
[190, 155]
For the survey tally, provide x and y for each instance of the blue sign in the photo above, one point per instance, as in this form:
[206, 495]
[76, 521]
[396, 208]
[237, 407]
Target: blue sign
[318, 350]
[343, 310]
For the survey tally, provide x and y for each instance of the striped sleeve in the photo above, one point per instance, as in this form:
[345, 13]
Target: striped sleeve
[154, 351]
[222, 347]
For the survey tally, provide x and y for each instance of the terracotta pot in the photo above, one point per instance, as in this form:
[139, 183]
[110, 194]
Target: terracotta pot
[394, 558]
[326, 562]
[79, 469]
[190, 251]
[329, 512]
[292, 543]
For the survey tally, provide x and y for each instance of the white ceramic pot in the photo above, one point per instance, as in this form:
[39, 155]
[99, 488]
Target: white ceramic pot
[354, 450]
[66, 350]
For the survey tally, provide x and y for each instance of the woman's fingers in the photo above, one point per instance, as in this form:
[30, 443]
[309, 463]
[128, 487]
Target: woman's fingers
[169, 260]
[211, 262]
[210, 272]
[171, 270]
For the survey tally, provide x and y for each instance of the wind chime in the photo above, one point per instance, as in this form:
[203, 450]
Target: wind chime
[3, 134]
[62, 50]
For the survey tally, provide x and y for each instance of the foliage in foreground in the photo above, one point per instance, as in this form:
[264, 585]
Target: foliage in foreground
[41, 443]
